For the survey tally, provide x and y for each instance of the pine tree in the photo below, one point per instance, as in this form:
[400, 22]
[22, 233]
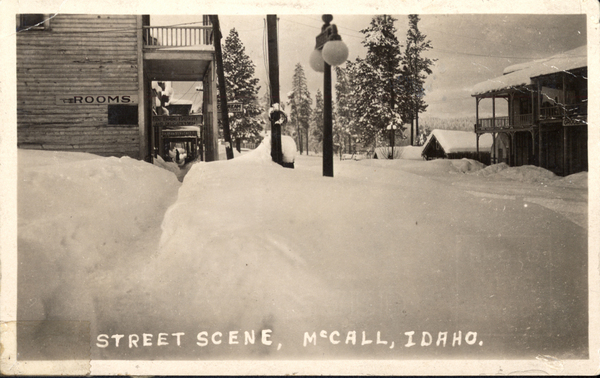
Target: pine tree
[345, 125]
[242, 87]
[374, 80]
[415, 71]
[300, 102]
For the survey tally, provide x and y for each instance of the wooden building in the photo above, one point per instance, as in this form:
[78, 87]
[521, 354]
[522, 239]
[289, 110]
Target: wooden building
[455, 144]
[84, 82]
[546, 103]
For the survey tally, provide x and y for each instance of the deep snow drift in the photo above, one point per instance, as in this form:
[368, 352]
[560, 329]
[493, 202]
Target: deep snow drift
[496, 257]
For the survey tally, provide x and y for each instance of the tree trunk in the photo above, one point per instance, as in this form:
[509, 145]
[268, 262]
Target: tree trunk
[298, 138]
[417, 124]
[238, 144]
[307, 142]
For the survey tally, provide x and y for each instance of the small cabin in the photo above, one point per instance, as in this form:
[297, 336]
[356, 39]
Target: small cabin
[453, 144]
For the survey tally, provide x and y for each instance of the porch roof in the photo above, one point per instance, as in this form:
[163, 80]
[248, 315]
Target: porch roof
[518, 75]
[179, 63]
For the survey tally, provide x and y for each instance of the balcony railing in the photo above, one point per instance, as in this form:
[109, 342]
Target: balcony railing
[558, 112]
[551, 112]
[168, 36]
[491, 124]
[576, 110]
[523, 120]
[575, 114]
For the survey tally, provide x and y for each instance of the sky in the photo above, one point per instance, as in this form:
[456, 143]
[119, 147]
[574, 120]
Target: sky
[469, 48]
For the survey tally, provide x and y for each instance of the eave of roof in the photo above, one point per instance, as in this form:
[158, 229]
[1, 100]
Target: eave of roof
[521, 75]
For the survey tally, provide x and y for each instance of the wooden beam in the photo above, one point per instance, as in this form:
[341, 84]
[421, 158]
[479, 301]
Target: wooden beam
[143, 136]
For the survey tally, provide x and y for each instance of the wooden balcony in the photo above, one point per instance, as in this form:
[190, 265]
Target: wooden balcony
[499, 124]
[572, 114]
[177, 53]
[156, 37]
[575, 115]
[552, 112]
[491, 124]
[523, 120]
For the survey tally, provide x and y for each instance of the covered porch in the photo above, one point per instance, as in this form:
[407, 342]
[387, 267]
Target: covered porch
[514, 132]
[180, 54]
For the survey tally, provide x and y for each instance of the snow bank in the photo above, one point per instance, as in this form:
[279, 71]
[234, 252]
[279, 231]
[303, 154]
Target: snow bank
[526, 173]
[577, 180]
[169, 166]
[224, 242]
[467, 165]
[453, 166]
[263, 152]
[533, 174]
[247, 245]
[400, 152]
[288, 149]
[80, 218]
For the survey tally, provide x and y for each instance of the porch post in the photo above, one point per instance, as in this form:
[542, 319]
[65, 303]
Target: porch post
[533, 143]
[142, 91]
[211, 125]
[477, 99]
[512, 150]
[511, 116]
[214, 137]
[565, 170]
[494, 147]
[494, 128]
[540, 146]
[565, 129]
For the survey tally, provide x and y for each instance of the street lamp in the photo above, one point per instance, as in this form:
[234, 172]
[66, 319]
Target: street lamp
[329, 51]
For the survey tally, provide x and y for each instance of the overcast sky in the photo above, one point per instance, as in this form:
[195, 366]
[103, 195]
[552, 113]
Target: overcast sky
[469, 48]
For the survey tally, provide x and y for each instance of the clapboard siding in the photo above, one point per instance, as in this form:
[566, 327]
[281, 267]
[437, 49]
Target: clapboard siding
[78, 55]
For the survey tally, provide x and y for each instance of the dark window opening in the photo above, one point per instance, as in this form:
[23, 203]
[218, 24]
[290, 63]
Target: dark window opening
[122, 114]
[33, 22]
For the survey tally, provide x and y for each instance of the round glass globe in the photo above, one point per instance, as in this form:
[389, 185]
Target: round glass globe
[335, 53]
[316, 61]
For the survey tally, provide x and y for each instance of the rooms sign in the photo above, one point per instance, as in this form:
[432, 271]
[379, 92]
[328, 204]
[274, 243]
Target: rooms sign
[97, 99]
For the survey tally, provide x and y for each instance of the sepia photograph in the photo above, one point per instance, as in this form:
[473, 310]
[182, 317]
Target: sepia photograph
[238, 189]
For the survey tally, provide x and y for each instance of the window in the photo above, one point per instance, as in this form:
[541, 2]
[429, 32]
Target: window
[33, 22]
[122, 114]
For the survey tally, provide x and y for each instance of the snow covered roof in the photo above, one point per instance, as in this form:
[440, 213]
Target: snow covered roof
[521, 74]
[453, 141]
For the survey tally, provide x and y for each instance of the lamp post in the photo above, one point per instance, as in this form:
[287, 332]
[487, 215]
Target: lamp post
[329, 51]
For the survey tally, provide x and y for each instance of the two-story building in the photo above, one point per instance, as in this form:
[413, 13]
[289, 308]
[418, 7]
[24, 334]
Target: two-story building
[84, 83]
[546, 102]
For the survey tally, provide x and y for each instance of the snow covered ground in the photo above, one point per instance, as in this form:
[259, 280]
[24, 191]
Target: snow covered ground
[397, 259]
